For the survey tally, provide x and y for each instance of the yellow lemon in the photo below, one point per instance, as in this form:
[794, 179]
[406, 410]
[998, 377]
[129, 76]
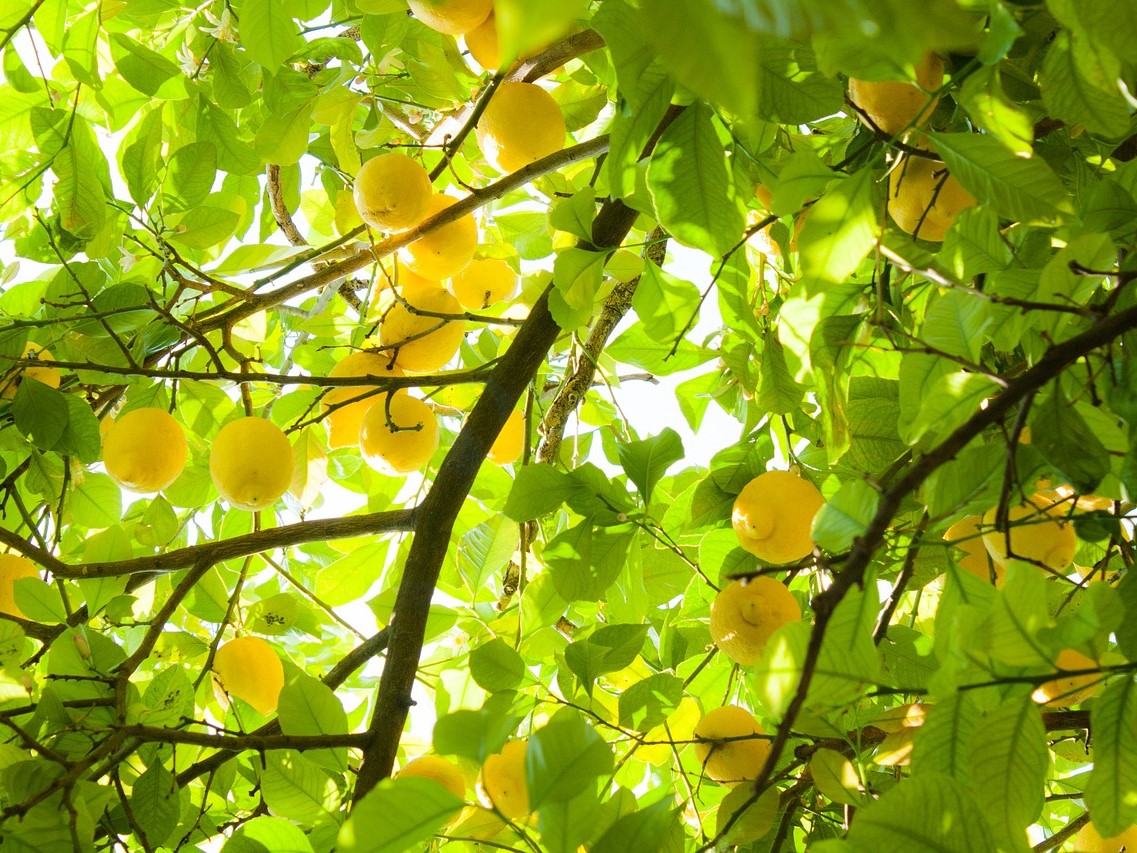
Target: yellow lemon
[444, 251]
[422, 342]
[392, 192]
[451, 16]
[895, 105]
[1037, 531]
[346, 406]
[522, 123]
[1071, 689]
[773, 514]
[923, 199]
[745, 613]
[730, 753]
[251, 463]
[483, 282]
[440, 770]
[1089, 840]
[510, 441]
[145, 450]
[399, 434]
[13, 567]
[972, 555]
[49, 376]
[248, 668]
[503, 780]
[482, 42]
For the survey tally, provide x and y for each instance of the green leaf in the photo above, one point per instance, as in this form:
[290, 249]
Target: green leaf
[79, 196]
[664, 303]
[1081, 84]
[839, 230]
[577, 274]
[268, 835]
[941, 743]
[845, 516]
[584, 561]
[537, 490]
[155, 802]
[690, 185]
[647, 829]
[973, 245]
[956, 323]
[1019, 188]
[1062, 435]
[563, 758]
[647, 703]
[646, 461]
[790, 88]
[872, 415]
[495, 666]
[637, 117]
[849, 659]
[1112, 782]
[96, 502]
[398, 814]
[295, 788]
[477, 734]
[81, 436]
[190, 175]
[349, 577]
[141, 67]
[309, 707]
[931, 812]
[1009, 759]
[778, 393]
[38, 601]
[268, 33]
[168, 698]
[608, 649]
[566, 825]
[1010, 633]
[710, 49]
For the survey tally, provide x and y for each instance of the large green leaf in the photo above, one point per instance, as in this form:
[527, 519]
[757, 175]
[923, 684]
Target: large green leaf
[399, 814]
[563, 758]
[268, 32]
[931, 812]
[1113, 780]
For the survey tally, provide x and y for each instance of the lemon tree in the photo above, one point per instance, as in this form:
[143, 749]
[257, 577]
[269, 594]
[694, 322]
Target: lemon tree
[594, 425]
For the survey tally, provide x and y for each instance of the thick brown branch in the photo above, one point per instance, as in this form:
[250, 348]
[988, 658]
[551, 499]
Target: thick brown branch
[280, 210]
[239, 743]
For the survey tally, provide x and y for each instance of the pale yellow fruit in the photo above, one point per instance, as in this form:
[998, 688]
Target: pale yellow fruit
[923, 199]
[145, 450]
[729, 753]
[445, 251]
[13, 567]
[452, 17]
[251, 463]
[522, 123]
[773, 514]
[503, 780]
[420, 343]
[1037, 531]
[1089, 840]
[393, 274]
[483, 45]
[347, 406]
[972, 555]
[49, 376]
[745, 613]
[483, 282]
[440, 770]
[399, 434]
[248, 668]
[902, 717]
[894, 106]
[1070, 689]
[392, 192]
[510, 442]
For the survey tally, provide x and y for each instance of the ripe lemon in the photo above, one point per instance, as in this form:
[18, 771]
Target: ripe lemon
[347, 406]
[503, 780]
[145, 450]
[510, 441]
[1038, 532]
[482, 42]
[440, 770]
[13, 567]
[893, 105]
[724, 758]
[248, 668]
[483, 282]
[49, 376]
[1071, 689]
[522, 123]
[965, 536]
[1089, 840]
[417, 342]
[451, 16]
[745, 613]
[923, 199]
[445, 251]
[392, 192]
[773, 514]
[251, 463]
[399, 434]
